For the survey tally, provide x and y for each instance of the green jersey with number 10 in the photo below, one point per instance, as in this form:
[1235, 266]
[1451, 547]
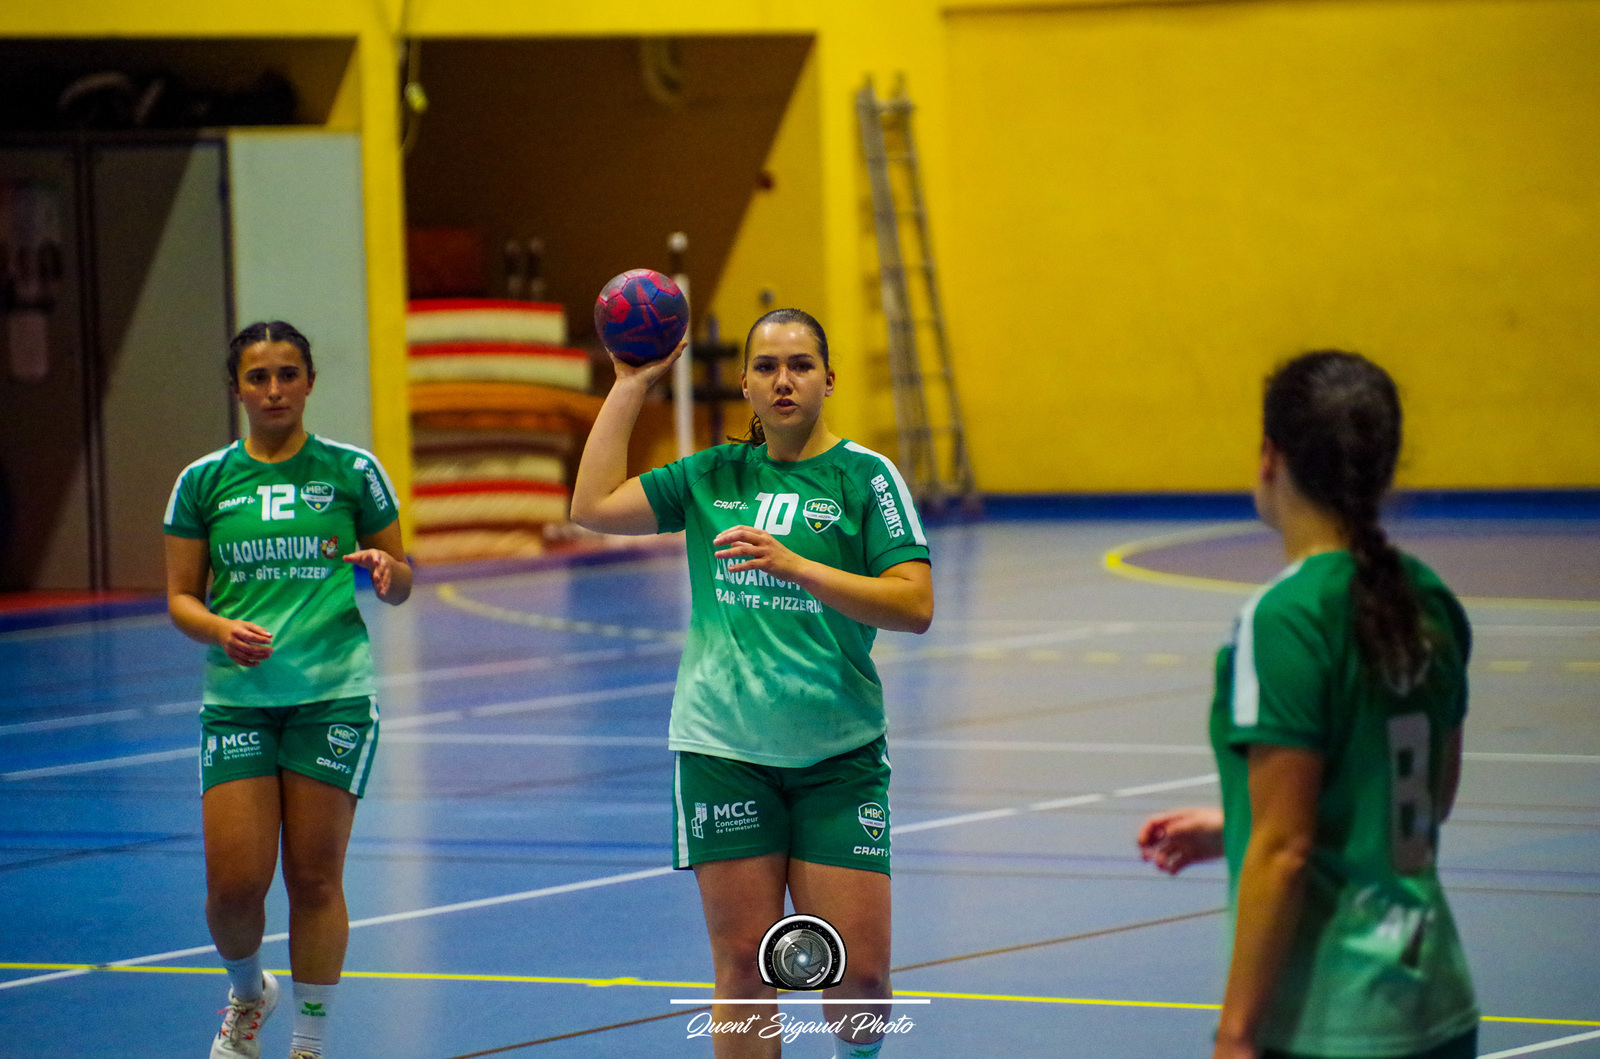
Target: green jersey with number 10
[1376, 967]
[770, 675]
[277, 535]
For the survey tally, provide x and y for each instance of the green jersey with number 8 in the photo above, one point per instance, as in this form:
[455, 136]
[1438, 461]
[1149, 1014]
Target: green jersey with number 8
[1376, 967]
[770, 675]
[277, 535]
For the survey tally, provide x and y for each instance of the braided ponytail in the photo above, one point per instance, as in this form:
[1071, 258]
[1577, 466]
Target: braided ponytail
[1336, 418]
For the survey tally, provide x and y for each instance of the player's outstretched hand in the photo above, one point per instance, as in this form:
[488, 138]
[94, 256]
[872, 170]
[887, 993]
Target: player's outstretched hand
[377, 562]
[650, 373]
[757, 550]
[246, 643]
[1175, 839]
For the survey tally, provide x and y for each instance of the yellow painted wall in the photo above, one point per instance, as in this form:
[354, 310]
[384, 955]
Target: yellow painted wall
[788, 215]
[1151, 205]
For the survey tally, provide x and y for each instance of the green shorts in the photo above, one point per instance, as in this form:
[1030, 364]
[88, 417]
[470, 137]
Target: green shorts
[331, 741]
[834, 812]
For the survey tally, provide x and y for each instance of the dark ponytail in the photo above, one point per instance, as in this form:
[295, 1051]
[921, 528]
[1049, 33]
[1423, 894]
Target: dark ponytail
[1335, 416]
[262, 331]
[758, 435]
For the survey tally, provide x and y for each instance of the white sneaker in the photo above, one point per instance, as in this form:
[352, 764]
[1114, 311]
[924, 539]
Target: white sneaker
[240, 1036]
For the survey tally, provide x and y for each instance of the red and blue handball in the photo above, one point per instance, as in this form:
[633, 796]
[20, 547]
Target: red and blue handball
[641, 316]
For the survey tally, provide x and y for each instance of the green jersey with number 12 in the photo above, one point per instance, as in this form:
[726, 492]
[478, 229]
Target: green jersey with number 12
[1376, 967]
[770, 675]
[277, 535]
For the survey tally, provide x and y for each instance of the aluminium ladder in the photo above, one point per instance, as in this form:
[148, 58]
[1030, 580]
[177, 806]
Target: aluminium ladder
[885, 122]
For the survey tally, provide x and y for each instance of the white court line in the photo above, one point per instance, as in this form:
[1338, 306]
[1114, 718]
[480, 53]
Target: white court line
[543, 702]
[1160, 788]
[525, 665]
[525, 739]
[78, 721]
[371, 921]
[1029, 747]
[1018, 746]
[498, 709]
[610, 880]
[951, 821]
[1191, 749]
[1548, 759]
[1056, 803]
[103, 763]
[396, 731]
[421, 676]
[1543, 1046]
[894, 656]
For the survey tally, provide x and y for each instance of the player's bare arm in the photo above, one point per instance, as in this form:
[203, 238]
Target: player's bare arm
[188, 570]
[604, 498]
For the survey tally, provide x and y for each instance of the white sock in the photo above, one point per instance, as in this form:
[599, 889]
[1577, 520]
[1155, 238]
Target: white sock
[843, 1049]
[245, 976]
[311, 1005]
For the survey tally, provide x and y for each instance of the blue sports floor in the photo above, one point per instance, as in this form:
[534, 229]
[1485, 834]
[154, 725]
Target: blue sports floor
[507, 879]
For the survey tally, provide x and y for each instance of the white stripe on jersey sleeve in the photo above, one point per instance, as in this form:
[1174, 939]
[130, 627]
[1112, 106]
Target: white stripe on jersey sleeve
[172, 500]
[1246, 683]
[900, 484]
[358, 450]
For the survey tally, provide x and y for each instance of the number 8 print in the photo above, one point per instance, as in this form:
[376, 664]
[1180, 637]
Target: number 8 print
[1410, 793]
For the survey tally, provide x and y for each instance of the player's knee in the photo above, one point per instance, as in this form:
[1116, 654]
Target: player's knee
[312, 886]
[235, 892]
[735, 961]
[865, 980]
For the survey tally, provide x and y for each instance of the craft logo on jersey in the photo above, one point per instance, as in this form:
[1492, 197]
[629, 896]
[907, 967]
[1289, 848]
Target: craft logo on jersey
[330, 548]
[342, 739]
[211, 748]
[317, 495]
[873, 819]
[821, 513]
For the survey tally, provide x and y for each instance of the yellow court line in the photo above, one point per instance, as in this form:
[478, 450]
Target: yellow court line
[1116, 561]
[423, 976]
[1060, 1000]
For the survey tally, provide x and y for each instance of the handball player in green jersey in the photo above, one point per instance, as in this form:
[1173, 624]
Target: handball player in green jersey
[1337, 732]
[262, 539]
[801, 546]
